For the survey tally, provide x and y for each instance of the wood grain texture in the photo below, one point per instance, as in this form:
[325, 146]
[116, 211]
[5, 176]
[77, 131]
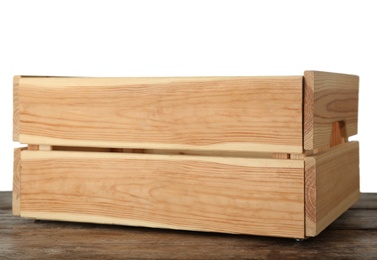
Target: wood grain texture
[16, 195]
[331, 185]
[234, 195]
[210, 113]
[16, 108]
[352, 236]
[328, 98]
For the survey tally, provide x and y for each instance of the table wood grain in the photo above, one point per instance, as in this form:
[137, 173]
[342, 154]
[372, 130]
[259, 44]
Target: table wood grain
[353, 235]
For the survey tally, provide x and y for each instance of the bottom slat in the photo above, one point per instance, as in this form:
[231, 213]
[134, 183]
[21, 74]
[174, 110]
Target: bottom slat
[331, 185]
[16, 181]
[233, 195]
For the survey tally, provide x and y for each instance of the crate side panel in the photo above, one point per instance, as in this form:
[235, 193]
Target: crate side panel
[328, 98]
[219, 113]
[16, 191]
[233, 195]
[332, 185]
[16, 108]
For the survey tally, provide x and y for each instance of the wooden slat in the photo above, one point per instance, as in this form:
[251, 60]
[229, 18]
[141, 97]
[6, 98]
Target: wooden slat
[16, 194]
[16, 110]
[45, 147]
[353, 236]
[331, 185]
[235, 195]
[328, 98]
[210, 113]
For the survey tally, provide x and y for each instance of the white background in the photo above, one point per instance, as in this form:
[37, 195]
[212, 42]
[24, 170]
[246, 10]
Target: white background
[194, 38]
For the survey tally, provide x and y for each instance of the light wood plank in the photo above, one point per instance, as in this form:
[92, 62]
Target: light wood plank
[16, 108]
[45, 147]
[353, 236]
[234, 195]
[331, 185]
[328, 98]
[297, 156]
[210, 113]
[16, 194]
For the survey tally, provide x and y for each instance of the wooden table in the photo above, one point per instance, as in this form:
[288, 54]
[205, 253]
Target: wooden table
[353, 235]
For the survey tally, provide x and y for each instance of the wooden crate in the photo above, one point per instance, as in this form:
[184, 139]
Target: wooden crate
[249, 155]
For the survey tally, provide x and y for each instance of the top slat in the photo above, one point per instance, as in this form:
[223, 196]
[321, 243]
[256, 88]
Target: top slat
[201, 113]
[328, 98]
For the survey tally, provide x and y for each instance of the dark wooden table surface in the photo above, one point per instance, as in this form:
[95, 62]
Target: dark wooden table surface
[353, 235]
